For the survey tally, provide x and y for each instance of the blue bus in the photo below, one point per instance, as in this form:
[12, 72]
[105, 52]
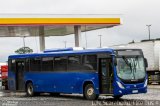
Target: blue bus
[91, 72]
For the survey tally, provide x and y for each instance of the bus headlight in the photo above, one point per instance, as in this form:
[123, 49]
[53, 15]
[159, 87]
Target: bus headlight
[145, 84]
[120, 85]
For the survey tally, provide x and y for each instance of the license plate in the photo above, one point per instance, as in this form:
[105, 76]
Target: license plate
[135, 91]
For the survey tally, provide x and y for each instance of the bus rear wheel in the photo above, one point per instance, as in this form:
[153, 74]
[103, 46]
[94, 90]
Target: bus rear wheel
[29, 89]
[89, 92]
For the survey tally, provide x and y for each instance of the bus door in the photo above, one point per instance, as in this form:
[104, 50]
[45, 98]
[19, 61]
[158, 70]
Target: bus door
[20, 75]
[106, 75]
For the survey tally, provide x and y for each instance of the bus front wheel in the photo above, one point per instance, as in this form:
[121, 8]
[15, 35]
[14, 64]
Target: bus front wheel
[89, 92]
[29, 89]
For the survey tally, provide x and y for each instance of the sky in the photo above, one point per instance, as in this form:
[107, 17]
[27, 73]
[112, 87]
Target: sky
[136, 14]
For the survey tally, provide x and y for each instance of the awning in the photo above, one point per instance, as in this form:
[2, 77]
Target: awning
[53, 26]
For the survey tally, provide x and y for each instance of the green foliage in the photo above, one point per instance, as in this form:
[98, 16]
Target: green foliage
[24, 50]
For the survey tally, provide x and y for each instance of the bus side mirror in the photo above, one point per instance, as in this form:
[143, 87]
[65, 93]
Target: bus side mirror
[145, 62]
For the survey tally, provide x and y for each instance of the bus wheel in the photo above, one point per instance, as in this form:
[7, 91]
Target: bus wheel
[117, 97]
[29, 89]
[89, 92]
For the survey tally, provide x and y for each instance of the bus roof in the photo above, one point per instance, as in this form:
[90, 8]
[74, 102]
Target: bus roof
[61, 53]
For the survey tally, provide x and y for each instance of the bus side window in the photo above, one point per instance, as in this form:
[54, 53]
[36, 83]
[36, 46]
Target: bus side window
[89, 62]
[74, 63]
[47, 64]
[60, 63]
[35, 64]
[26, 64]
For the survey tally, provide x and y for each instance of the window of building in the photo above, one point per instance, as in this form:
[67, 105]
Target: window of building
[60, 63]
[47, 64]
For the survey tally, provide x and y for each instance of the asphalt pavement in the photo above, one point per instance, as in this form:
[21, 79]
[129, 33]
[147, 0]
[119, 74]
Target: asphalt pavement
[151, 98]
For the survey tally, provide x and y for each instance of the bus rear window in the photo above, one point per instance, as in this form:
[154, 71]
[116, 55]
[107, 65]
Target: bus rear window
[12, 65]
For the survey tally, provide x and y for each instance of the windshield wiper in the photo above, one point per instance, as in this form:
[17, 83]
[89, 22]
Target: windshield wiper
[135, 62]
[126, 61]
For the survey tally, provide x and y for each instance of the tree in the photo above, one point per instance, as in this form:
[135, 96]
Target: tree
[24, 50]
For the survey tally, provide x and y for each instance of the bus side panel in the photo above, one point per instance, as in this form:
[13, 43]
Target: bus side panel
[62, 82]
[86, 77]
[11, 81]
[42, 82]
[65, 82]
[52, 82]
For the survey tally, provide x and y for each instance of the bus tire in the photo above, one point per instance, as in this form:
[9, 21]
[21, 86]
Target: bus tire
[29, 89]
[117, 97]
[89, 92]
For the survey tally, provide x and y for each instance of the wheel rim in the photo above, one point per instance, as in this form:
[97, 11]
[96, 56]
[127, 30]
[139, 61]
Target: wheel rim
[30, 90]
[90, 91]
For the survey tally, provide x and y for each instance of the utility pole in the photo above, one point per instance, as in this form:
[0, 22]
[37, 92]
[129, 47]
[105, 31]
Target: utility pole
[149, 30]
[24, 41]
[65, 44]
[85, 36]
[100, 41]
[24, 45]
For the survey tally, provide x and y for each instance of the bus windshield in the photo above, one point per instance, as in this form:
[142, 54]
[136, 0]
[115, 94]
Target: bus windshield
[130, 68]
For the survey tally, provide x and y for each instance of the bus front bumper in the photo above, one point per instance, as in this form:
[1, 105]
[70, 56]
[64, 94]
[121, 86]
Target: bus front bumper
[130, 89]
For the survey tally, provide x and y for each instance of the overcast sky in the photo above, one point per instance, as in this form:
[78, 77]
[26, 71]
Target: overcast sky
[135, 14]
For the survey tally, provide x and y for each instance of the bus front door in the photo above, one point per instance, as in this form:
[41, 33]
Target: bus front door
[106, 75]
[19, 75]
